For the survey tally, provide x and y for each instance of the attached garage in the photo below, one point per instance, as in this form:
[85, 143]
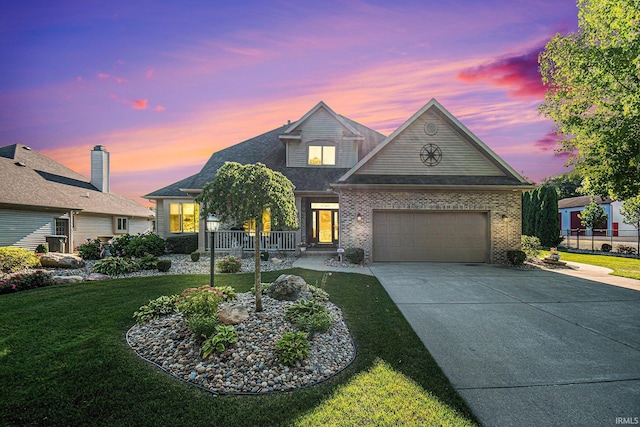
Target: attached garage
[440, 236]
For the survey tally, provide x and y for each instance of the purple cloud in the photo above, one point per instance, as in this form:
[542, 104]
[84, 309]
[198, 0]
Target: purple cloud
[518, 74]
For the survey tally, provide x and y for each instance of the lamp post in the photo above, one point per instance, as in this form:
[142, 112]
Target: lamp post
[213, 223]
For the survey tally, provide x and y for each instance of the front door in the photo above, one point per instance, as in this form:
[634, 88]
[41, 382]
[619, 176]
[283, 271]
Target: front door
[324, 224]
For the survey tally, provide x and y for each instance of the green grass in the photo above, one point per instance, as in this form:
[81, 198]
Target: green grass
[64, 361]
[623, 267]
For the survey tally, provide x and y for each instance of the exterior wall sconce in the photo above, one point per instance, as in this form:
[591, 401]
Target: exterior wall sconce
[359, 217]
[504, 217]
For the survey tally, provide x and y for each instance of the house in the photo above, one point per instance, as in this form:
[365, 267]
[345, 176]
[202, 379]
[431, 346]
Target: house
[431, 191]
[570, 224]
[40, 197]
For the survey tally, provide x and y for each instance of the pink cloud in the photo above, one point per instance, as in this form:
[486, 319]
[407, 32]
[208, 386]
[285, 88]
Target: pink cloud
[105, 76]
[518, 74]
[139, 104]
[149, 74]
[160, 108]
[551, 141]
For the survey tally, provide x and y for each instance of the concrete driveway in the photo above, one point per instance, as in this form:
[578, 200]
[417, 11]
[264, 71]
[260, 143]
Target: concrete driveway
[526, 347]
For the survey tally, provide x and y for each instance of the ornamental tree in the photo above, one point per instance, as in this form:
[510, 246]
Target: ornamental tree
[593, 95]
[244, 193]
[630, 211]
[593, 216]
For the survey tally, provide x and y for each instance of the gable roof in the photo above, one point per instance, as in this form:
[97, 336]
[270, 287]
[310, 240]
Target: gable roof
[31, 179]
[293, 128]
[270, 151]
[503, 175]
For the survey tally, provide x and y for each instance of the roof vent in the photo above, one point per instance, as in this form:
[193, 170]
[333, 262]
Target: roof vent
[20, 164]
[27, 148]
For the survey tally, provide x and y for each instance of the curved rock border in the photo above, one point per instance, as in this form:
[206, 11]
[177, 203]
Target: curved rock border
[249, 367]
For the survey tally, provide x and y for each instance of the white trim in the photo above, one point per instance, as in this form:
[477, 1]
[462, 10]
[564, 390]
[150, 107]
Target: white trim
[319, 105]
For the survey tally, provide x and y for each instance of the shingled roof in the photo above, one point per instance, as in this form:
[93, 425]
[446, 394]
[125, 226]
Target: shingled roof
[30, 179]
[269, 150]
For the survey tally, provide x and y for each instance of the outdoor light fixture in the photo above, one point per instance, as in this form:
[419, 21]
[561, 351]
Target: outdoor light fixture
[213, 223]
[359, 217]
[504, 217]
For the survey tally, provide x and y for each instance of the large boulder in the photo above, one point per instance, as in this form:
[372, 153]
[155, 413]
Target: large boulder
[58, 260]
[62, 280]
[288, 287]
[233, 314]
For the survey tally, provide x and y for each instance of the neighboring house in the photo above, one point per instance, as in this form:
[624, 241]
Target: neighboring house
[431, 191]
[569, 208]
[40, 197]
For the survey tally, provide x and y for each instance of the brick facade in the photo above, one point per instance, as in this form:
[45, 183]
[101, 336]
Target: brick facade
[504, 208]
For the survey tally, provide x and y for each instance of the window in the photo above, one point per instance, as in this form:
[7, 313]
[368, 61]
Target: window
[250, 226]
[122, 225]
[184, 217]
[322, 155]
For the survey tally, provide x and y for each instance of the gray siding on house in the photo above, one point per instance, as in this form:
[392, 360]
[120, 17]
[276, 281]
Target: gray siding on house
[25, 229]
[90, 226]
[322, 129]
[402, 155]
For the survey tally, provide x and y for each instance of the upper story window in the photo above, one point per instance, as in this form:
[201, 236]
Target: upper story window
[184, 217]
[322, 155]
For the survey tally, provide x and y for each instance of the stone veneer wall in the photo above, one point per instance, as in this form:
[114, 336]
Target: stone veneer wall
[505, 233]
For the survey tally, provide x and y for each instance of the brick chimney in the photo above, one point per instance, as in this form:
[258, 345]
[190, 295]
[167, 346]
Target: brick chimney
[100, 168]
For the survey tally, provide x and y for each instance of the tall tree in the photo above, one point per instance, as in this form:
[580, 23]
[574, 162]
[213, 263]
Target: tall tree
[547, 227]
[593, 95]
[567, 184]
[244, 193]
[592, 216]
[631, 215]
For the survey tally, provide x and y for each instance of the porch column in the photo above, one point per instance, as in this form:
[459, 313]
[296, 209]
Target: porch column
[202, 235]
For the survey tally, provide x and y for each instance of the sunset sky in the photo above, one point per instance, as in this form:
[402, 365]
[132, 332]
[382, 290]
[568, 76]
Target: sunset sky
[163, 85]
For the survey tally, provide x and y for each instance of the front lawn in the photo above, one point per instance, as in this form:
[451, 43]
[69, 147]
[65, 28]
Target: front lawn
[64, 361]
[624, 267]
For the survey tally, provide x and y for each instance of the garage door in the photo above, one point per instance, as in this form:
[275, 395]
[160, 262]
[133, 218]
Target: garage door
[430, 236]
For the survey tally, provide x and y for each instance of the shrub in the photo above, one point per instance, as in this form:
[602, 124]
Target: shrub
[606, 247]
[227, 292]
[264, 256]
[23, 282]
[202, 327]
[226, 336]
[164, 265]
[628, 250]
[182, 244]
[229, 264]
[42, 249]
[318, 294]
[292, 347]
[264, 287]
[516, 257]
[149, 262]
[139, 245]
[195, 256]
[531, 246]
[309, 316]
[14, 259]
[203, 301]
[354, 255]
[90, 250]
[162, 306]
[114, 266]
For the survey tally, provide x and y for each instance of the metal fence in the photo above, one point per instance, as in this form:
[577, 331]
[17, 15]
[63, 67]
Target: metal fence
[227, 240]
[586, 239]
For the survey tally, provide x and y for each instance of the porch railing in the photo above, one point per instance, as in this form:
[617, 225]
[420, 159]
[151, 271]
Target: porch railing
[269, 241]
